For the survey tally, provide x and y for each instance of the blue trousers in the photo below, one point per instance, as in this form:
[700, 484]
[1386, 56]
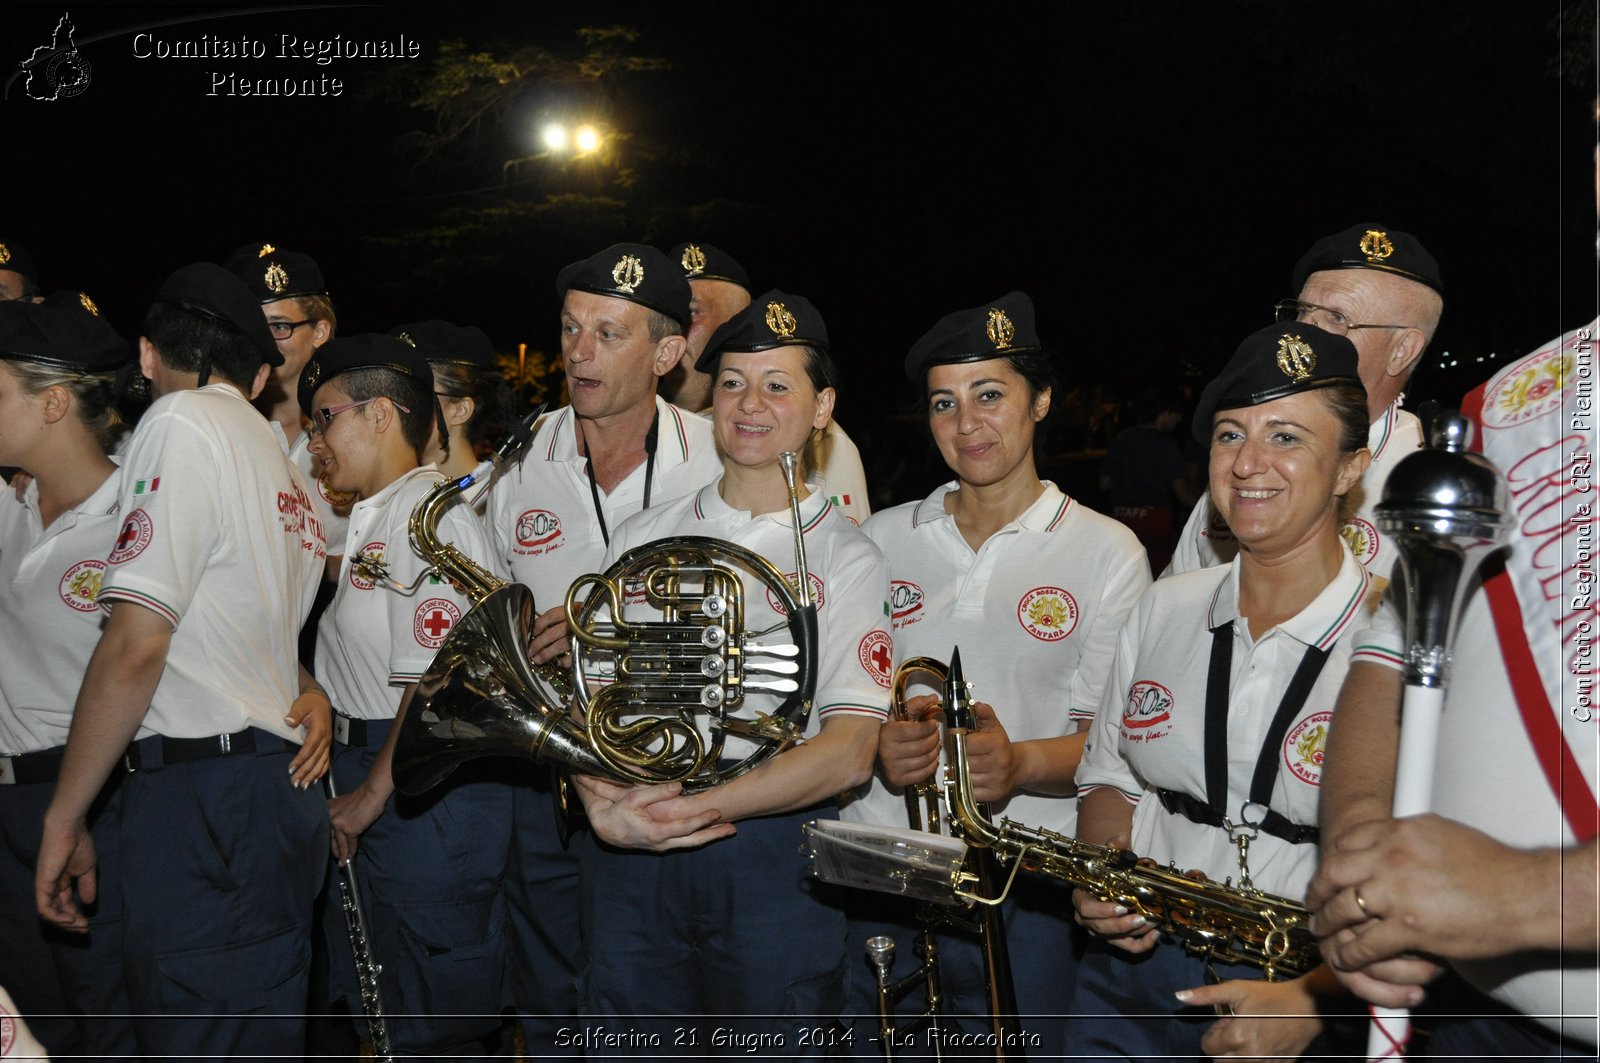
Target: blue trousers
[542, 903]
[222, 861]
[431, 869]
[723, 949]
[68, 986]
[1464, 1023]
[1044, 945]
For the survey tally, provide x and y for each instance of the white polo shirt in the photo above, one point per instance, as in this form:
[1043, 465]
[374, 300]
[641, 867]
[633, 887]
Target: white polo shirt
[541, 515]
[849, 580]
[1150, 733]
[1035, 610]
[219, 535]
[333, 507]
[1206, 540]
[49, 617]
[374, 638]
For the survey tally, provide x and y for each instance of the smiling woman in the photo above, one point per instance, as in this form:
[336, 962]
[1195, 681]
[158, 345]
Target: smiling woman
[731, 925]
[1243, 664]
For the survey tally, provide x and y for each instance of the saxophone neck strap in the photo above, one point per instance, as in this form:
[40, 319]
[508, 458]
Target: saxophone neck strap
[1213, 811]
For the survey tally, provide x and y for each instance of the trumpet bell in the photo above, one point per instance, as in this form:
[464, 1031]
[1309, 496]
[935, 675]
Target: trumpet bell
[482, 698]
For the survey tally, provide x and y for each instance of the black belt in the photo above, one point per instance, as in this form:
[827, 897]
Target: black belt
[158, 750]
[1273, 823]
[26, 768]
[353, 731]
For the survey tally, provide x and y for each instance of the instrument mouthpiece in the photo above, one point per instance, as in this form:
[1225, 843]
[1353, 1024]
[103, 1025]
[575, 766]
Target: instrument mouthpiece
[957, 698]
[513, 443]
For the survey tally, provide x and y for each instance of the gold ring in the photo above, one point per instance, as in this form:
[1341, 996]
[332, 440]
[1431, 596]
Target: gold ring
[1360, 901]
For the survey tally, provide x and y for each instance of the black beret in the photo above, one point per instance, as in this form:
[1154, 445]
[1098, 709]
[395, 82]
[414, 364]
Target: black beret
[65, 331]
[271, 274]
[15, 257]
[211, 291]
[635, 272]
[702, 262]
[442, 343]
[368, 351]
[1279, 360]
[1370, 247]
[996, 329]
[773, 320]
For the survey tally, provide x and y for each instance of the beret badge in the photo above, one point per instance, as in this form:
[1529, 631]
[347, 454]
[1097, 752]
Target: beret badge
[1000, 329]
[628, 273]
[88, 303]
[405, 337]
[5, 254]
[694, 261]
[276, 278]
[311, 376]
[780, 321]
[1376, 245]
[1295, 357]
[266, 249]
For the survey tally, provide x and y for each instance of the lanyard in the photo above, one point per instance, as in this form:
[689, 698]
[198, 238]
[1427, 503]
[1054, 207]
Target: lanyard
[650, 439]
[1267, 761]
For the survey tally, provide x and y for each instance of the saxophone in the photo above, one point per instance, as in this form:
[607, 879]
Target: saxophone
[1227, 923]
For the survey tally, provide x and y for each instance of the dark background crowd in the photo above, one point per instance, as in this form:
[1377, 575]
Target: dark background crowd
[1144, 171]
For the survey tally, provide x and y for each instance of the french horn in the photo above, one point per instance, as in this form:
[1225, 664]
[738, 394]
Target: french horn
[677, 686]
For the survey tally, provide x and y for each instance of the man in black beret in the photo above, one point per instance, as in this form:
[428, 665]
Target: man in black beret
[207, 584]
[617, 448]
[1380, 288]
[19, 279]
[719, 288]
[299, 311]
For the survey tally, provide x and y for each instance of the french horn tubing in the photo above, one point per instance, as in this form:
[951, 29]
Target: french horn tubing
[482, 697]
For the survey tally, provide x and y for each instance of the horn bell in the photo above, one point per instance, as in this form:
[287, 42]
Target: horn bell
[482, 698]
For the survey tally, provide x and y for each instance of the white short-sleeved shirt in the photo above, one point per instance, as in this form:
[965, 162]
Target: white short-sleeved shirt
[841, 476]
[333, 507]
[541, 516]
[220, 536]
[1489, 777]
[1150, 733]
[49, 616]
[1035, 610]
[1538, 425]
[849, 580]
[374, 638]
[1206, 540]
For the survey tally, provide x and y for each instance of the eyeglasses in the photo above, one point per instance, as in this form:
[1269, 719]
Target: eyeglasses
[282, 330]
[320, 418]
[1331, 320]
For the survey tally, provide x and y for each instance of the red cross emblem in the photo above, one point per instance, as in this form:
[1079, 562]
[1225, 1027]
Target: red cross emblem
[434, 620]
[134, 537]
[877, 656]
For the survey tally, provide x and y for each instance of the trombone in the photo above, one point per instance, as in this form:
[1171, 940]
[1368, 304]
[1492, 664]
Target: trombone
[923, 813]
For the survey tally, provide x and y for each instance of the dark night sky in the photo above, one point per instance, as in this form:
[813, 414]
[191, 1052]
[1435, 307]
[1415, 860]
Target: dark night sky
[1148, 171]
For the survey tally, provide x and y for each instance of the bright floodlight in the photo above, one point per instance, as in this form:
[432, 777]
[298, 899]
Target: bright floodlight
[555, 136]
[588, 138]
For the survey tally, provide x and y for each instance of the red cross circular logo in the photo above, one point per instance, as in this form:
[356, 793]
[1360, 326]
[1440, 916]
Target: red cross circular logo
[877, 656]
[434, 620]
[134, 537]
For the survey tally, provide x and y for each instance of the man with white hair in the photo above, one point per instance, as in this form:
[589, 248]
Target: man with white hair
[1380, 287]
